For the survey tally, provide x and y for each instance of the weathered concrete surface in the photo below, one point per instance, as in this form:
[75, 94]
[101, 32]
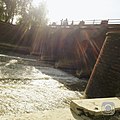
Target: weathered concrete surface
[95, 107]
[105, 77]
[71, 48]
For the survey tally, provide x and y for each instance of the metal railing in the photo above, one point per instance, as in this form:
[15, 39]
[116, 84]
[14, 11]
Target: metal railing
[86, 22]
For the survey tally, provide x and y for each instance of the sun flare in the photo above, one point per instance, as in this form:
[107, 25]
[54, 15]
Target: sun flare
[81, 9]
[36, 2]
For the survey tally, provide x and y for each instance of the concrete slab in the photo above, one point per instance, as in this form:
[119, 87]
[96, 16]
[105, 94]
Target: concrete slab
[96, 107]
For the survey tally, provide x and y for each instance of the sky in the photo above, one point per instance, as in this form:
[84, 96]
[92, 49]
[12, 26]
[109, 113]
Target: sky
[82, 9]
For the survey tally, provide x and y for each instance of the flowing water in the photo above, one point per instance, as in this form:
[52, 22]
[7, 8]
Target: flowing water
[27, 88]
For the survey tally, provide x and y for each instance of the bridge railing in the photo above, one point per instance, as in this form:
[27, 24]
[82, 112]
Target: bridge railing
[98, 21]
[114, 21]
[86, 22]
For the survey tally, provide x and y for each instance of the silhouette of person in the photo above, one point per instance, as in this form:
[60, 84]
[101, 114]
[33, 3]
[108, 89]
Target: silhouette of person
[62, 22]
[54, 24]
[81, 23]
[65, 22]
[72, 22]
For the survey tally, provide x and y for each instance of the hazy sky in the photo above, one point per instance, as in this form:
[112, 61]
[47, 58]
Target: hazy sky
[82, 9]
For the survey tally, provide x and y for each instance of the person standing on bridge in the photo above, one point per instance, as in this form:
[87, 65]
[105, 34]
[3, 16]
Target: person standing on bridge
[65, 22]
[61, 22]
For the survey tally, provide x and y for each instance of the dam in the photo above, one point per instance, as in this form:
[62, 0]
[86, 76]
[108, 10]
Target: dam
[33, 69]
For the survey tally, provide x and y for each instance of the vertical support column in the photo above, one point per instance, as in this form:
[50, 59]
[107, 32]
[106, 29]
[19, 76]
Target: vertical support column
[105, 78]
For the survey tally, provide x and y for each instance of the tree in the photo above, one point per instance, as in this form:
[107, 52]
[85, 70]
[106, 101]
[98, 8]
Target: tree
[38, 15]
[24, 11]
[34, 16]
[8, 8]
[1, 11]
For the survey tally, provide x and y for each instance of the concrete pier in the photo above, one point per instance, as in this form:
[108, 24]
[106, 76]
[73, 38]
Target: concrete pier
[105, 77]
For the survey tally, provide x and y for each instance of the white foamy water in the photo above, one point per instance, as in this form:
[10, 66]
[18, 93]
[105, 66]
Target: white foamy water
[26, 89]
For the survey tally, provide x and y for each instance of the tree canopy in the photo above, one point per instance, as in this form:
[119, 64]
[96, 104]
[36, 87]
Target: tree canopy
[23, 12]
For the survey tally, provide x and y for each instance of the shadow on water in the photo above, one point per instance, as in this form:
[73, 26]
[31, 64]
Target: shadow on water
[69, 81]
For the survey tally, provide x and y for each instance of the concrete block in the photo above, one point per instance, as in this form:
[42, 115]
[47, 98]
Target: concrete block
[96, 107]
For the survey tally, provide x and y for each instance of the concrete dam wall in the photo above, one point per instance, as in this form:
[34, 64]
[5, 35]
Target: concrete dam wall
[105, 77]
[74, 48]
